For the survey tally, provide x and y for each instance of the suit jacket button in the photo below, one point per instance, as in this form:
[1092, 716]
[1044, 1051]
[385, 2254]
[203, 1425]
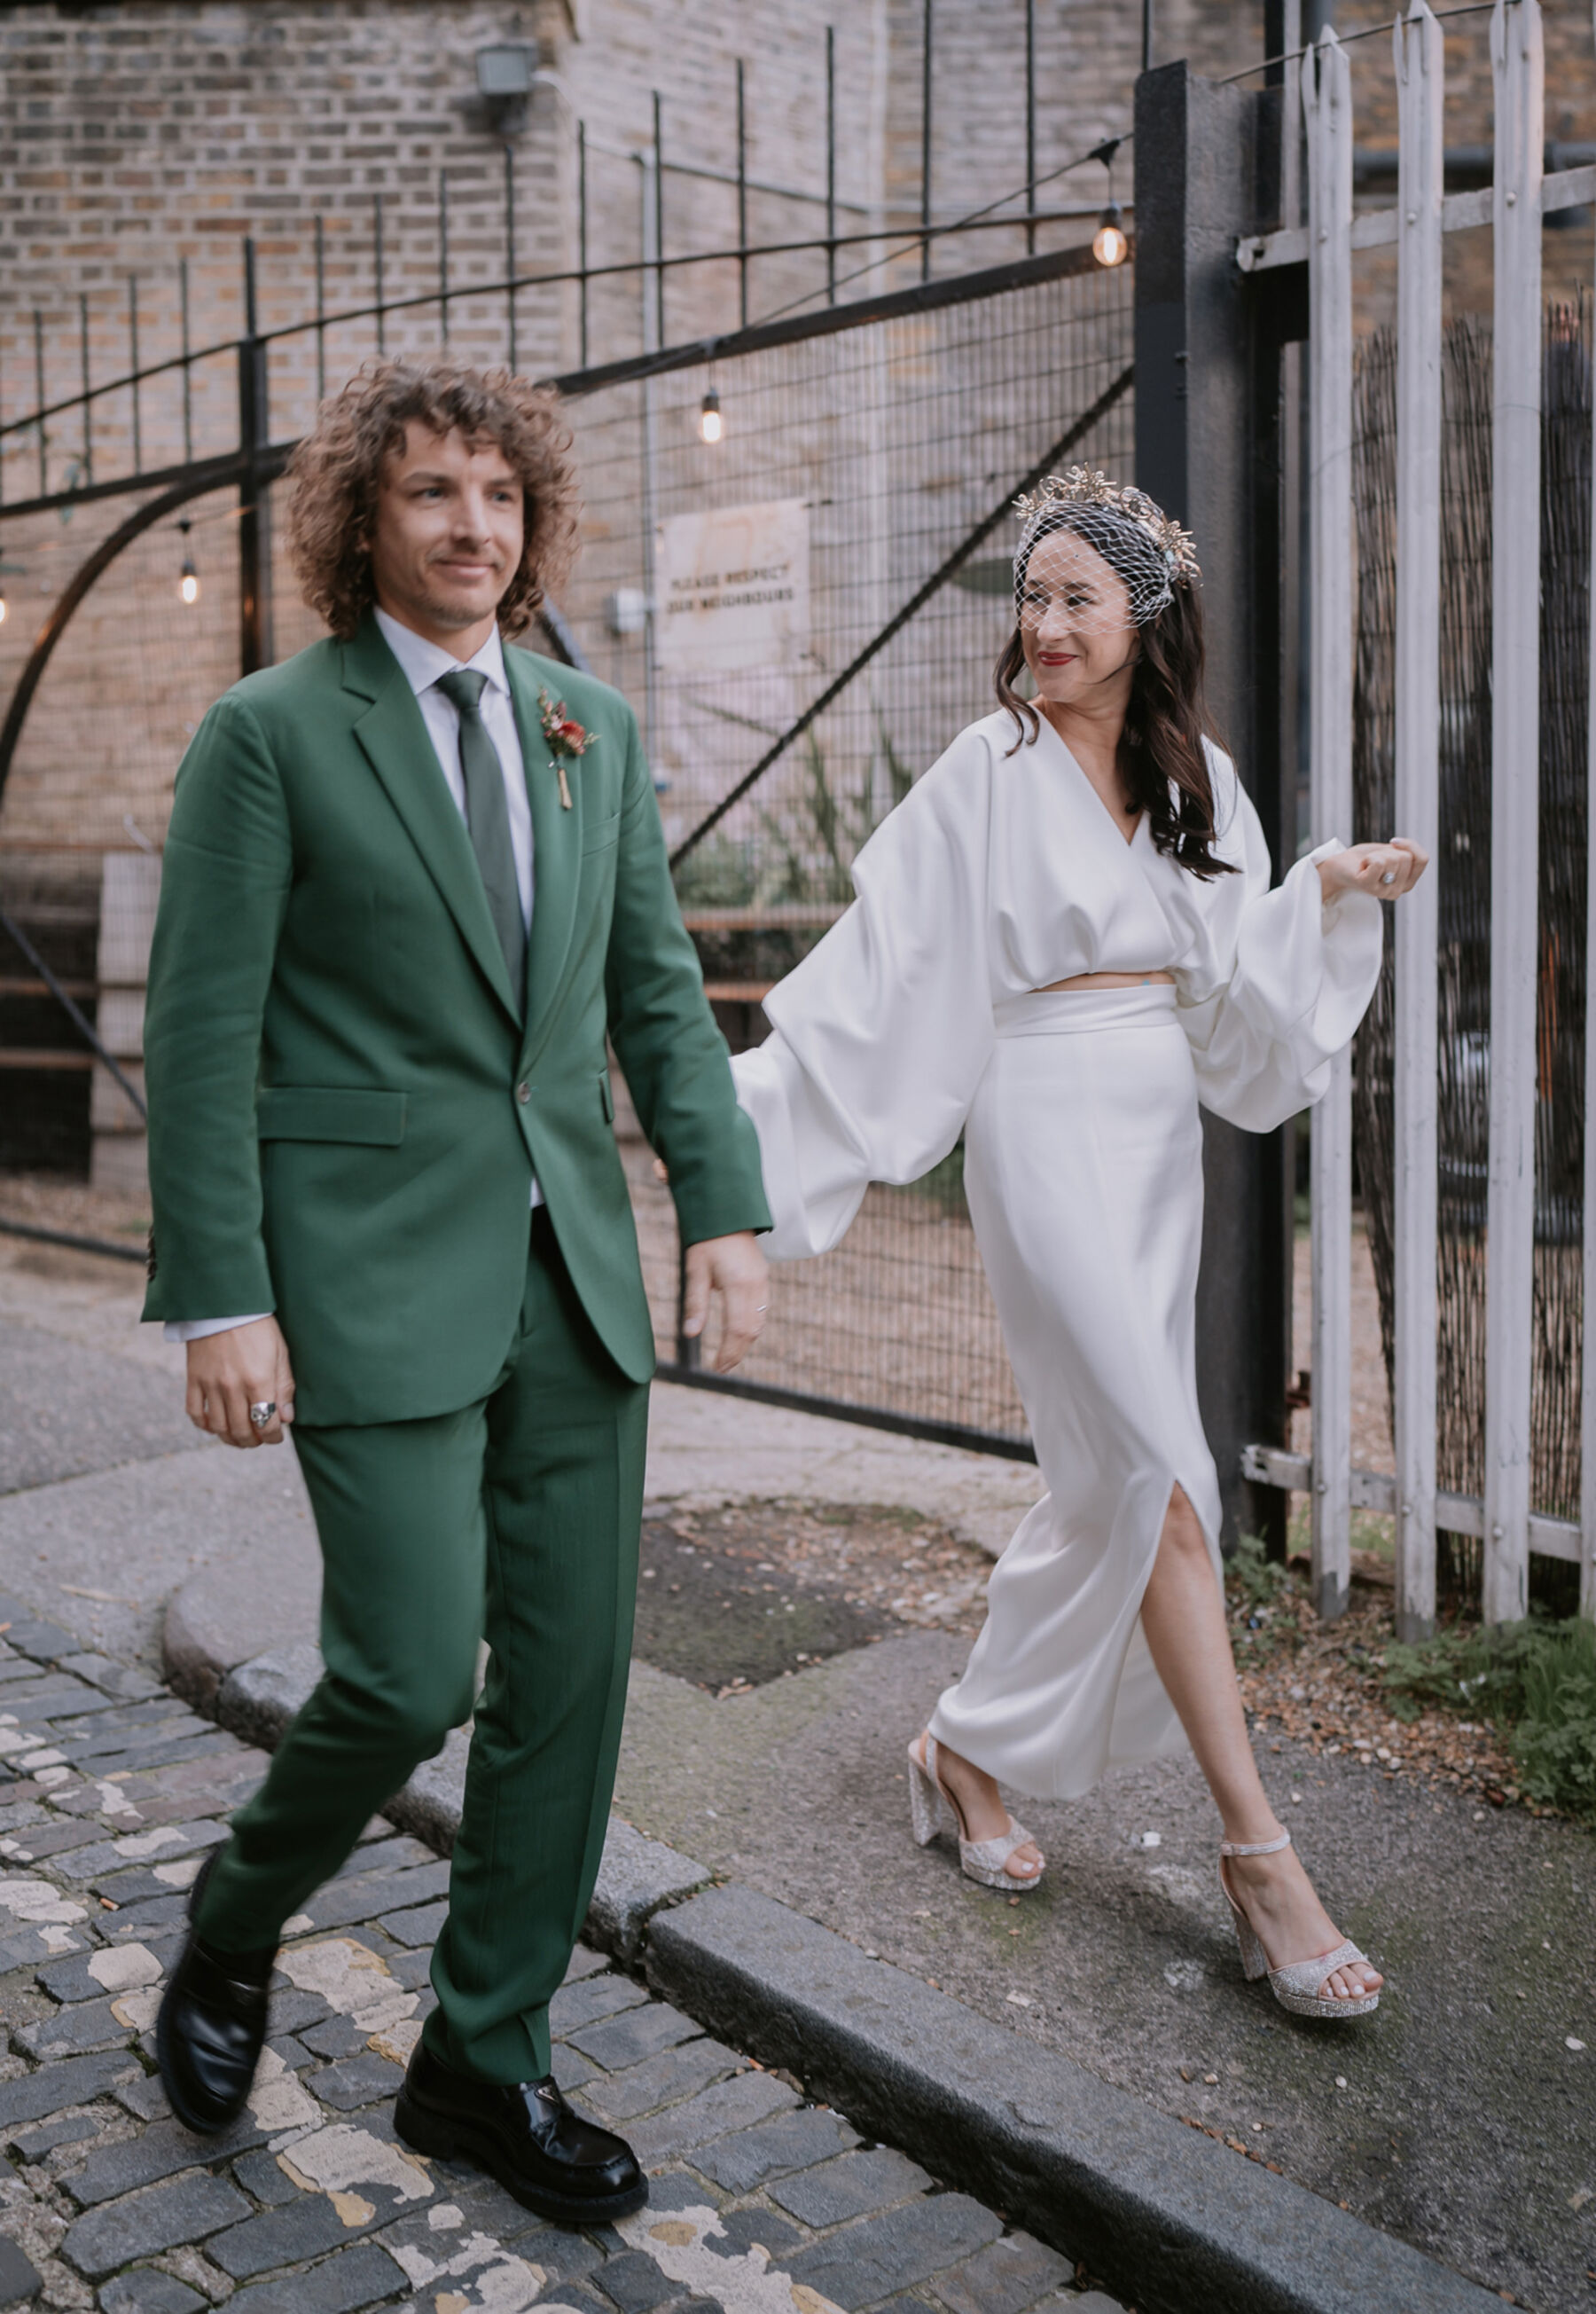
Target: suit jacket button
[524, 1093]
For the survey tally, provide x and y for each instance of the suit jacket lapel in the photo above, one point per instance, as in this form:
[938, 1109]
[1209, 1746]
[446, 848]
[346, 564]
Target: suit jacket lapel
[556, 853]
[393, 735]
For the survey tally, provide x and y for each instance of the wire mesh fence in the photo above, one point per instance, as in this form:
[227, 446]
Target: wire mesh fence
[724, 585]
[1463, 869]
[867, 458]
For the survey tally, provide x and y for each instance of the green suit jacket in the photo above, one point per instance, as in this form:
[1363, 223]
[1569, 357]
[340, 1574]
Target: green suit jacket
[348, 1105]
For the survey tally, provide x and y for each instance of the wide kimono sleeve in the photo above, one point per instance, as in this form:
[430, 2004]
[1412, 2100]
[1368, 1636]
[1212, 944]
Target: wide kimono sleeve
[880, 1035]
[1293, 978]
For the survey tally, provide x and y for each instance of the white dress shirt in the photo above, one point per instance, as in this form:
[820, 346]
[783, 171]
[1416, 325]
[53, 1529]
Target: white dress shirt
[422, 663]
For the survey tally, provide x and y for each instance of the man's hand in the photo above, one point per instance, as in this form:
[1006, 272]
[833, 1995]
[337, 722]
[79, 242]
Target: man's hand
[1386, 869]
[247, 1365]
[735, 1269]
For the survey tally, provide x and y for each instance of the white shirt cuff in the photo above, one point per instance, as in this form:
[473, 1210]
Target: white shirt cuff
[198, 1330]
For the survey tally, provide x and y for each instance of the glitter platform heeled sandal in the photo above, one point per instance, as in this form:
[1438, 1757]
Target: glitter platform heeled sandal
[1296, 1984]
[932, 1806]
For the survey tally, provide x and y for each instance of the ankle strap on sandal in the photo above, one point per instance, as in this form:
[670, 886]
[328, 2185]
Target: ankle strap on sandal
[1255, 1847]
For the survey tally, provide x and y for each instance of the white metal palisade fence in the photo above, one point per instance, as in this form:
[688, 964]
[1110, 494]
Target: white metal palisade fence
[1513, 205]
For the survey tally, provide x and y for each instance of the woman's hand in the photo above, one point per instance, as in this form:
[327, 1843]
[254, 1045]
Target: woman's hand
[1386, 869]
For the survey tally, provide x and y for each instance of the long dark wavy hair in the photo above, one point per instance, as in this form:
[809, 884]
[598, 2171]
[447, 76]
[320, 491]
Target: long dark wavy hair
[1161, 759]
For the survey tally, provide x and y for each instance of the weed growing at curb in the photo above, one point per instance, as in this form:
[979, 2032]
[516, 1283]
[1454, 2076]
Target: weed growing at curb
[1509, 1710]
[1539, 1677]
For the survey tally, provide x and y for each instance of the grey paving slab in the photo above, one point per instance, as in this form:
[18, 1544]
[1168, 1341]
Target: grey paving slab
[357, 2277]
[365, 1895]
[117, 1679]
[1005, 2277]
[72, 2081]
[161, 2217]
[158, 2153]
[420, 1925]
[757, 2228]
[750, 2158]
[847, 2188]
[357, 2081]
[592, 1997]
[674, 2073]
[20, 2278]
[617, 2042]
[148, 2290]
[736, 2104]
[570, 2068]
[264, 2179]
[338, 2036]
[36, 1634]
[33, 2144]
[878, 2255]
[302, 2228]
[637, 2284]
[85, 2025]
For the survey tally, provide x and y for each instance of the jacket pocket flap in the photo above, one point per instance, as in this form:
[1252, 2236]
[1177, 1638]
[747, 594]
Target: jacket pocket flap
[602, 833]
[330, 1113]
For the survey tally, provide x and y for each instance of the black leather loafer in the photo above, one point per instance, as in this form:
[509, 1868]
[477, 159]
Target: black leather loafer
[526, 2136]
[210, 2030]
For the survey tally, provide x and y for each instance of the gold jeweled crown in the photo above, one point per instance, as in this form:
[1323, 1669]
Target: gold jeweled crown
[1086, 486]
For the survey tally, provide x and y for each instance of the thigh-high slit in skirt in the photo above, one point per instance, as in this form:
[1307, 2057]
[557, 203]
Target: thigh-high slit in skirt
[1083, 1167]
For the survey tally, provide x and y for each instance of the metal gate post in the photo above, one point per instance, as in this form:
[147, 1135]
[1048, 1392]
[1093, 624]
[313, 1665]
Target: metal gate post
[1209, 449]
[254, 505]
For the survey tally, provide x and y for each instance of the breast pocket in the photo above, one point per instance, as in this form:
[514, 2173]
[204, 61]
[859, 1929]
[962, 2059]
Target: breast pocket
[602, 835]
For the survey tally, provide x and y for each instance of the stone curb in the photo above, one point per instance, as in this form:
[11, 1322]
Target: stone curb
[636, 1877]
[1172, 2221]
[1175, 2222]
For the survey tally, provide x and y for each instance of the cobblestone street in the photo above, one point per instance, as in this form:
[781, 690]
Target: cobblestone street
[762, 2202]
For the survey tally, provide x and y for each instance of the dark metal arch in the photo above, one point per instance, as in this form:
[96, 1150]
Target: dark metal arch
[215, 474]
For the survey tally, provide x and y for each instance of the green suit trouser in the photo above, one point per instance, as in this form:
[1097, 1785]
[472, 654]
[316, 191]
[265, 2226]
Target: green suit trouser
[516, 1518]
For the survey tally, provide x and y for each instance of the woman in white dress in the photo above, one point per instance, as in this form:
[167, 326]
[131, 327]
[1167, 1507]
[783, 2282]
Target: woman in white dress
[1064, 941]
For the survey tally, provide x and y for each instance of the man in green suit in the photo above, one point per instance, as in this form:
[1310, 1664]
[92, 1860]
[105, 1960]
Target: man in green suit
[413, 881]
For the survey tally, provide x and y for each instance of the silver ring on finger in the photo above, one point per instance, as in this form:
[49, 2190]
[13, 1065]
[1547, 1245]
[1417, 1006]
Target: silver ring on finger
[262, 1412]
[1390, 876]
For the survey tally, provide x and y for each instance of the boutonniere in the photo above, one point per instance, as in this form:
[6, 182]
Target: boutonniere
[566, 738]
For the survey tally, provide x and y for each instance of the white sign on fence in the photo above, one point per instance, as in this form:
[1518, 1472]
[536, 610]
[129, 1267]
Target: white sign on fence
[734, 588]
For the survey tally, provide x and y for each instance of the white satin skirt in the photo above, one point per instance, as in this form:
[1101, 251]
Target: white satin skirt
[1083, 1169]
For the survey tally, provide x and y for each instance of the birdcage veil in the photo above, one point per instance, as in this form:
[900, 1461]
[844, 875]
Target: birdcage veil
[1150, 554]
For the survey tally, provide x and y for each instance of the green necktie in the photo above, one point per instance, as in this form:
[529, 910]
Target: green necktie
[488, 816]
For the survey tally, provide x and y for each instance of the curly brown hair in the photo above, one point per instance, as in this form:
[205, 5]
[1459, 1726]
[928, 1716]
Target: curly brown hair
[336, 470]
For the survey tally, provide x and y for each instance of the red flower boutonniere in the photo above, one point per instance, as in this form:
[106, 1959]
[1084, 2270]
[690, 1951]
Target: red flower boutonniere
[566, 738]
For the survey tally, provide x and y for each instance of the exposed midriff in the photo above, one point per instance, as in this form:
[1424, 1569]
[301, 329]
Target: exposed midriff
[1107, 980]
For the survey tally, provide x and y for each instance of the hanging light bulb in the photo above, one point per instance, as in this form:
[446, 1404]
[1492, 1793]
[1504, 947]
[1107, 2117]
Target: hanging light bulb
[1, 606]
[710, 425]
[1110, 244]
[187, 578]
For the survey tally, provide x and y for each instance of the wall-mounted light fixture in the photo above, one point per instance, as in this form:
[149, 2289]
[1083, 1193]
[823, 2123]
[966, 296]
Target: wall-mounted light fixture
[506, 72]
[188, 578]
